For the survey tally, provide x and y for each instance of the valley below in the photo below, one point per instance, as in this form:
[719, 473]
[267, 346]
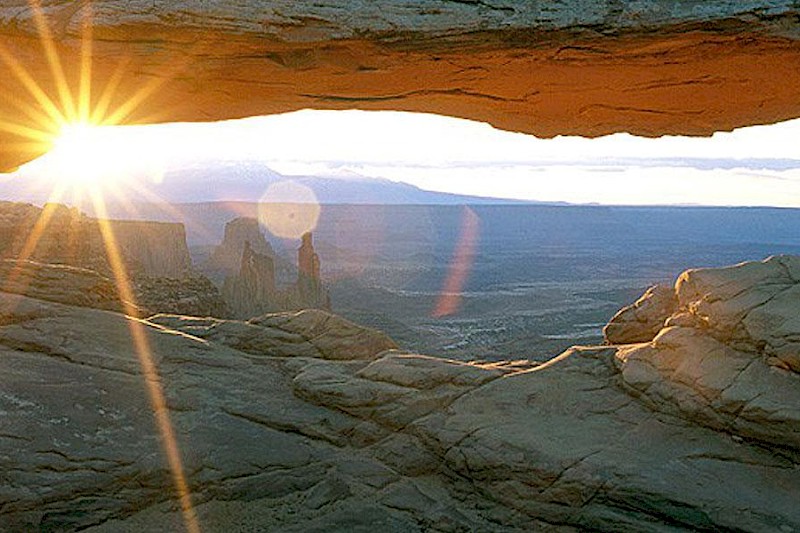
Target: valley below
[307, 422]
[541, 278]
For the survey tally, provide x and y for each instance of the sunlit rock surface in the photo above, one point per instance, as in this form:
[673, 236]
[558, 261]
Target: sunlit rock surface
[642, 320]
[728, 356]
[59, 283]
[307, 333]
[648, 67]
[696, 429]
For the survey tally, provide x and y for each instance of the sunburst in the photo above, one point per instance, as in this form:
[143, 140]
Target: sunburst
[68, 118]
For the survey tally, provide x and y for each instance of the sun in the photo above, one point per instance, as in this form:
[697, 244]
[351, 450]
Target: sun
[93, 159]
[81, 156]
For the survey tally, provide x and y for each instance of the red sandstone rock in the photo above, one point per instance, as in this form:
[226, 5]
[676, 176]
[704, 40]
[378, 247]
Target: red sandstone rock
[648, 68]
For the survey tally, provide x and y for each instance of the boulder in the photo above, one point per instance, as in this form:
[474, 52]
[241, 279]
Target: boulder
[728, 356]
[642, 320]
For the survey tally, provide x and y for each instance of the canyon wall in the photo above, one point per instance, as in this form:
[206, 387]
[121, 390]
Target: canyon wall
[650, 67]
[155, 248]
[61, 235]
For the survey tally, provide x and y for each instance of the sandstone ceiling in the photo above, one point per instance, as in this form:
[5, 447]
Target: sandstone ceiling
[578, 67]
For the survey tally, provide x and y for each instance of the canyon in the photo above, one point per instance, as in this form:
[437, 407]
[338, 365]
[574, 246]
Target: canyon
[68, 236]
[185, 410]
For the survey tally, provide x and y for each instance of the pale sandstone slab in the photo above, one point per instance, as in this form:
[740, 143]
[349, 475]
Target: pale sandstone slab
[683, 432]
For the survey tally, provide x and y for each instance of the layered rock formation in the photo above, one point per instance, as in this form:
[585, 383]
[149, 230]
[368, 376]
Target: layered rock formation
[643, 319]
[727, 354]
[154, 248]
[302, 422]
[226, 260]
[253, 290]
[60, 283]
[66, 236]
[648, 67]
[306, 333]
[70, 264]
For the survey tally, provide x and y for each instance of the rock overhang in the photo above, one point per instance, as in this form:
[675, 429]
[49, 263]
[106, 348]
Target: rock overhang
[558, 68]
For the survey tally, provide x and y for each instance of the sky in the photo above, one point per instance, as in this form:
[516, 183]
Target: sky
[757, 165]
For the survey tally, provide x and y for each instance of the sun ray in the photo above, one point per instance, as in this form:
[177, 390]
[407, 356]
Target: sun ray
[25, 146]
[122, 199]
[26, 132]
[131, 104]
[149, 370]
[104, 102]
[41, 224]
[30, 84]
[149, 196]
[32, 241]
[85, 87]
[156, 117]
[70, 108]
[122, 112]
[36, 116]
[165, 207]
[53, 60]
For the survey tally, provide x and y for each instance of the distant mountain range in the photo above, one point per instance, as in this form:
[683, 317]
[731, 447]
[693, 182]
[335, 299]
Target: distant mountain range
[218, 181]
[248, 181]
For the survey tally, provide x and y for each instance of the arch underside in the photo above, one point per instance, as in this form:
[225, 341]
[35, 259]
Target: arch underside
[673, 76]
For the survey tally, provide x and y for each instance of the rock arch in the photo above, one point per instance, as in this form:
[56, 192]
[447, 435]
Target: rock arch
[649, 67]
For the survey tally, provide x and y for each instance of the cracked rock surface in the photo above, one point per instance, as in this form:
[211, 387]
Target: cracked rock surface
[728, 355]
[695, 429]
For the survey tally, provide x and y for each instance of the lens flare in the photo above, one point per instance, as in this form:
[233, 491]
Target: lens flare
[289, 209]
[155, 388]
[449, 300]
